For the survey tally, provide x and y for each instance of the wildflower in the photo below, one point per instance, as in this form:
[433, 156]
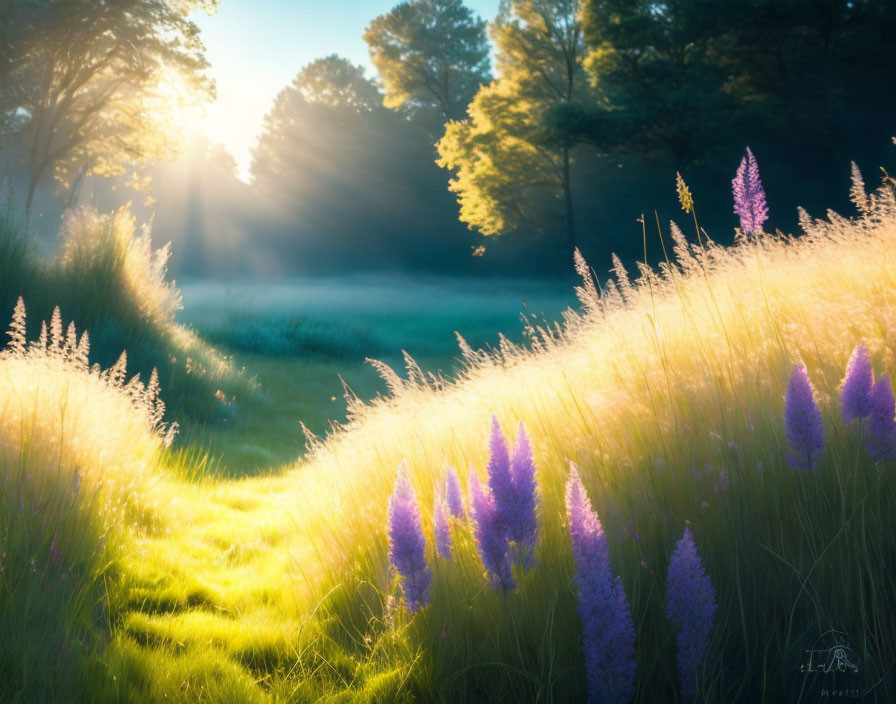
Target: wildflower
[491, 537]
[691, 606]
[500, 479]
[407, 546]
[749, 196]
[684, 194]
[440, 526]
[803, 422]
[856, 387]
[523, 525]
[453, 493]
[608, 630]
[881, 439]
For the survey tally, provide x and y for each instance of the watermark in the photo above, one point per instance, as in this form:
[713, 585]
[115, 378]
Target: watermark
[833, 668]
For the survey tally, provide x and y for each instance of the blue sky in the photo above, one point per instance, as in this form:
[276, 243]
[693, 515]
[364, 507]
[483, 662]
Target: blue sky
[256, 47]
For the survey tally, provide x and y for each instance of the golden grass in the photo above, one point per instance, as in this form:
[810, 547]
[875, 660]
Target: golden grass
[656, 390]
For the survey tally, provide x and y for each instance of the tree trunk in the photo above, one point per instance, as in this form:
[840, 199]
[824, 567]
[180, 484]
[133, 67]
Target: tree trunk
[567, 197]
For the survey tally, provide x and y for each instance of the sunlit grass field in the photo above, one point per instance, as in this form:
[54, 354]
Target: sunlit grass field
[303, 342]
[152, 581]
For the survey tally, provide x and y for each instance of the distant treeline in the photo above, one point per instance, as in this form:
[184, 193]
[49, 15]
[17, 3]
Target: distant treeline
[575, 132]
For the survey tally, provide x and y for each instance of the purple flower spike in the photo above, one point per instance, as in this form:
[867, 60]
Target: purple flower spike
[856, 387]
[440, 527]
[607, 627]
[803, 422]
[500, 479]
[523, 523]
[692, 607]
[749, 196]
[453, 494]
[881, 439]
[491, 538]
[407, 546]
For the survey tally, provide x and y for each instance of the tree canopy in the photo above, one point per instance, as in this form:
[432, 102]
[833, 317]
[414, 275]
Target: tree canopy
[692, 79]
[89, 87]
[357, 180]
[431, 55]
[511, 169]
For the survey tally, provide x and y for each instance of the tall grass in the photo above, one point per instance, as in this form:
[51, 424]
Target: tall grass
[106, 278]
[79, 453]
[667, 391]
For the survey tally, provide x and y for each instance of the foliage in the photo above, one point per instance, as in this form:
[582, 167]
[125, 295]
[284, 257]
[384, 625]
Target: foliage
[510, 168]
[79, 451]
[683, 80]
[353, 178]
[90, 86]
[431, 55]
[667, 390]
[337, 85]
[657, 78]
[112, 283]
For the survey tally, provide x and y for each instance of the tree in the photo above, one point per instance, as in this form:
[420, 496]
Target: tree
[356, 180]
[93, 85]
[315, 124]
[815, 63]
[659, 78]
[512, 169]
[693, 79]
[337, 84]
[431, 55]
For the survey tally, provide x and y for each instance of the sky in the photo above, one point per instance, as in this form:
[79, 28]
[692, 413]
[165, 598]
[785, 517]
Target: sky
[256, 48]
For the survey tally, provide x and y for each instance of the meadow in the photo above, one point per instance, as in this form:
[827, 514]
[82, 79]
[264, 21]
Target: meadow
[301, 339]
[134, 571]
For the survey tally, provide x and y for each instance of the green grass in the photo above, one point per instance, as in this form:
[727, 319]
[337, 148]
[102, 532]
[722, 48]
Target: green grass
[106, 278]
[668, 393]
[297, 339]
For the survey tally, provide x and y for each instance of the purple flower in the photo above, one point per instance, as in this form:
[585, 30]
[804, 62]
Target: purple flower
[522, 521]
[491, 536]
[881, 439]
[691, 606]
[407, 546]
[856, 394]
[453, 494]
[500, 479]
[803, 422]
[440, 526]
[607, 627]
[749, 196]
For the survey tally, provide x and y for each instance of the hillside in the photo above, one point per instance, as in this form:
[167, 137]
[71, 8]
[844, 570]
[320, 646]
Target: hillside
[667, 391]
